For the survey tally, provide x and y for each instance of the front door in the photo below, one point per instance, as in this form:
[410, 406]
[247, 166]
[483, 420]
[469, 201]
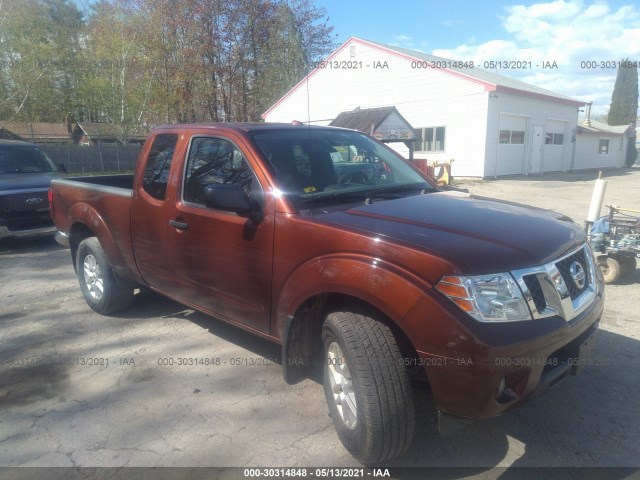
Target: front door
[537, 144]
[150, 205]
[221, 262]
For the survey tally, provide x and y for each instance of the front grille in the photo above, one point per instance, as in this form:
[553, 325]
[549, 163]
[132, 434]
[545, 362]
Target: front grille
[24, 202]
[533, 284]
[564, 287]
[564, 266]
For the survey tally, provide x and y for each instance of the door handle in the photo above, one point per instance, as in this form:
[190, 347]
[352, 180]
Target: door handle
[178, 225]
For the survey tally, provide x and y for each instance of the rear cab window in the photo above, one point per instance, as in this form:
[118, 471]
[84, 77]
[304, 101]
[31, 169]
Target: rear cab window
[156, 172]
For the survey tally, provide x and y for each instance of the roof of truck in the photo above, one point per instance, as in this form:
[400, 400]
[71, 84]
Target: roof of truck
[16, 142]
[242, 126]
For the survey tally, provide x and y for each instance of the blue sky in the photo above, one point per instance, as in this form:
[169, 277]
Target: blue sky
[566, 32]
[431, 24]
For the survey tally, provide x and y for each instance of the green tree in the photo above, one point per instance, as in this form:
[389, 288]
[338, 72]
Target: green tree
[285, 61]
[118, 86]
[226, 61]
[154, 61]
[67, 31]
[624, 104]
[624, 100]
[601, 117]
[39, 59]
[25, 56]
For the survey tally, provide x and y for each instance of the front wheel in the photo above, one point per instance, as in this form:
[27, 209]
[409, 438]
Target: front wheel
[98, 282]
[367, 387]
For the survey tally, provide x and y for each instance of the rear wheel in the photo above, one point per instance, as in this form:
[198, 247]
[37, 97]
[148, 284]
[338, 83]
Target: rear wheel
[98, 282]
[610, 268]
[367, 387]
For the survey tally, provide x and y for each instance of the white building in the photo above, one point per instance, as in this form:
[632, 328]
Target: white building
[489, 124]
[599, 145]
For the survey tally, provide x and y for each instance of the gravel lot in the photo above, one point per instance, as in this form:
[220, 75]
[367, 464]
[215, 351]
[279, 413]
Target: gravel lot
[79, 389]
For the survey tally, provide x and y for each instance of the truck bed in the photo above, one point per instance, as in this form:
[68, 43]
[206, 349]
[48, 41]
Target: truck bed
[114, 181]
[104, 203]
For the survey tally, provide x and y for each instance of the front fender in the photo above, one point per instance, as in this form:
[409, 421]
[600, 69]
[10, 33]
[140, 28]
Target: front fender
[387, 287]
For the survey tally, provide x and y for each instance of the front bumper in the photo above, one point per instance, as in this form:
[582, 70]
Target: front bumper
[463, 387]
[29, 232]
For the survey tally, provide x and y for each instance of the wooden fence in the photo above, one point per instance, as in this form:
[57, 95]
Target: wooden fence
[111, 158]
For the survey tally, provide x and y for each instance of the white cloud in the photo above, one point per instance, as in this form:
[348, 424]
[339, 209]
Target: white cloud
[568, 32]
[404, 41]
[402, 38]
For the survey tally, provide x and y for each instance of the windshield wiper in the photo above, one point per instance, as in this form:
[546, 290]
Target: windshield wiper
[20, 170]
[368, 195]
[402, 189]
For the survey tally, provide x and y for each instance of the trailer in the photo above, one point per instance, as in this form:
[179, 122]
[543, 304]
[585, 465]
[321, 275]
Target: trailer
[615, 240]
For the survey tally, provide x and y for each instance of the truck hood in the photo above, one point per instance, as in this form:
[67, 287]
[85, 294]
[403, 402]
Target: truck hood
[478, 235]
[26, 181]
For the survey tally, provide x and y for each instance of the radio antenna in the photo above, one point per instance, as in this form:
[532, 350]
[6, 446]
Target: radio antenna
[308, 103]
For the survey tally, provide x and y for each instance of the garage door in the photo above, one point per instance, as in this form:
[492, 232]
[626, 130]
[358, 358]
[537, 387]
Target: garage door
[511, 143]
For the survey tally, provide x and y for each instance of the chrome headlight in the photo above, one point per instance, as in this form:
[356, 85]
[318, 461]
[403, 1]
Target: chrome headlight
[487, 298]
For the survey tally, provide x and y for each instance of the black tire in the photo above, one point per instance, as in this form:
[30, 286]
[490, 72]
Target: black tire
[99, 285]
[610, 268]
[383, 425]
[627, 265]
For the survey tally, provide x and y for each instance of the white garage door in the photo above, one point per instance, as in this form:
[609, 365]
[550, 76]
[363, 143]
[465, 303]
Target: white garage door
[511, 142]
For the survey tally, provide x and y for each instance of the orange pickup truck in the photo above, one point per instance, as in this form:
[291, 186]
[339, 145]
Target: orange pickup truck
[326, 242]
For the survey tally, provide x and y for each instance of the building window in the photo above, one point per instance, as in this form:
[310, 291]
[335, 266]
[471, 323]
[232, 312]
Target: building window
[514, 137]
[554, 139]
[603, 146]
[517, 137]
[430, 139]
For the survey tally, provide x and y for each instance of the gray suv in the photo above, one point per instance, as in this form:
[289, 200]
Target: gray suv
[25, 175]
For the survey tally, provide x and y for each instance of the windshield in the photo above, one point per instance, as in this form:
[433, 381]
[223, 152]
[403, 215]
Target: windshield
[316, 166]
[24, 159]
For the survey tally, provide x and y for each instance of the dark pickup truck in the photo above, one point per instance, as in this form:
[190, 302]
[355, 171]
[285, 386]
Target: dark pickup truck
[328, 243]
[25, 175]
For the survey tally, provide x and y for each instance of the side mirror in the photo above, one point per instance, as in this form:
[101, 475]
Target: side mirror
[232, 198]
[62, 168]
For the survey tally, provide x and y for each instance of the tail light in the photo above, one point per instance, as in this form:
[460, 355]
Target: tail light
[50, 198]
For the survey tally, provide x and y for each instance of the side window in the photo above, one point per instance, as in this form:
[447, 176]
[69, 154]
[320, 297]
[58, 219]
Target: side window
[156, 173]
[214, 160]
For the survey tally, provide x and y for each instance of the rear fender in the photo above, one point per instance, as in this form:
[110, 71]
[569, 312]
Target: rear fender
[82, 213]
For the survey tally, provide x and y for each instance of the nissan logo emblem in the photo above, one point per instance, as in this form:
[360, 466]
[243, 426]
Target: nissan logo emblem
[577, 274]
[33, 201]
